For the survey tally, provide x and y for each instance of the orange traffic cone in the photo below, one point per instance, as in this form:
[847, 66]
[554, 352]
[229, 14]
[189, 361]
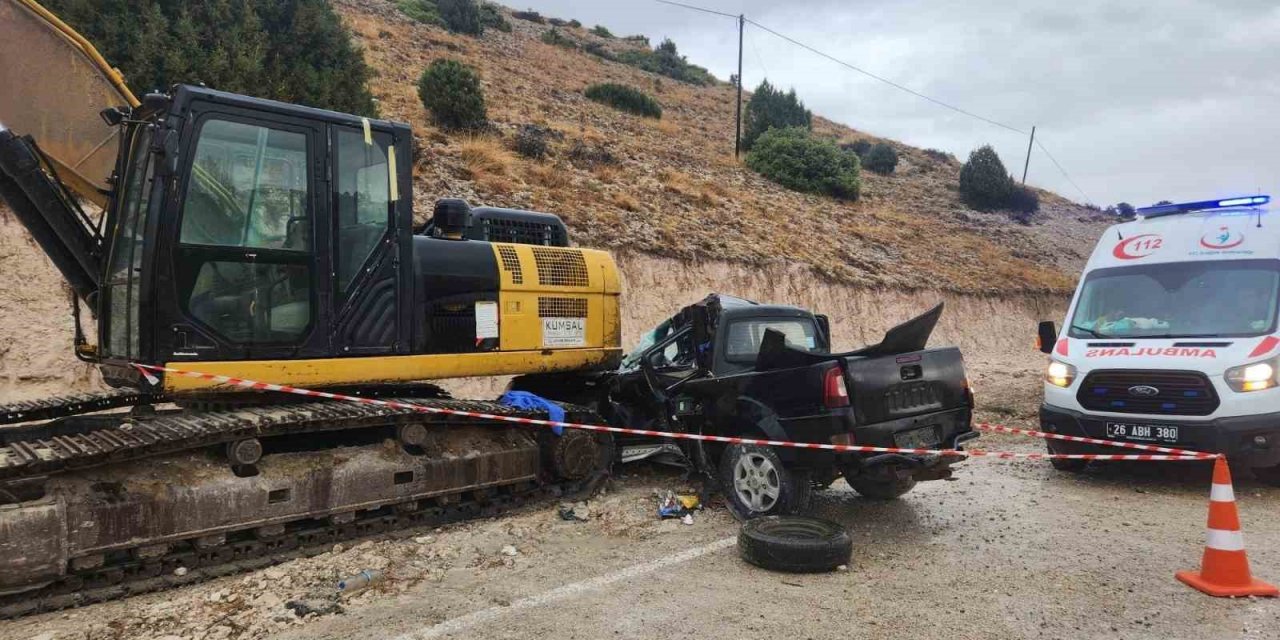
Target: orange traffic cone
[1224, 571]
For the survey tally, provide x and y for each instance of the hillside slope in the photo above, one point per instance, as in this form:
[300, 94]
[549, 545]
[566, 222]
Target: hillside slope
[675, 189]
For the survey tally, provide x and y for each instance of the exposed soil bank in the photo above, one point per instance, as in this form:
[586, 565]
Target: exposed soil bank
[994, 331]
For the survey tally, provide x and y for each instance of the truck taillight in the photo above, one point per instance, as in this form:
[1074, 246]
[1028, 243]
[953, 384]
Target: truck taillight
[835, 393]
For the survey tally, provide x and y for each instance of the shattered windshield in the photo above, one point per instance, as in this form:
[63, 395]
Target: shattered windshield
[649, 339]
[1228, 298]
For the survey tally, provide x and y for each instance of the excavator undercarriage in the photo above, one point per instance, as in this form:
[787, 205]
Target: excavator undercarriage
[101, 506]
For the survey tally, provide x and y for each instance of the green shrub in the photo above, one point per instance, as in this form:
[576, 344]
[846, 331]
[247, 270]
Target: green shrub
[530, 15]
[770, 108]
[461, 16]
[984, 183]
[860, 147]
[575, 24]
[939, 155]
[666, 60]
[424, 11]
[601, 31]
[881, 159]
[553, 36]
[1024, 203]
[531, 141]
[599, 50]
[295, 51]
[557, 22]
[451, 92]
[491, 18]
[795, 159]
[624, 98]
[1124, 210]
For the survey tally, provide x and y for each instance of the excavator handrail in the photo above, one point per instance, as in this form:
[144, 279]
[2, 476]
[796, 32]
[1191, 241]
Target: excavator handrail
[112, 74]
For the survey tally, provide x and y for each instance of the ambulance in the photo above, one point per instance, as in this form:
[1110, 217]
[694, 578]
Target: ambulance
[1171, 337]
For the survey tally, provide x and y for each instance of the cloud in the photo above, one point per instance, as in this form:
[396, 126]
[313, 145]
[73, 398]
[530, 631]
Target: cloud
[1164, 99]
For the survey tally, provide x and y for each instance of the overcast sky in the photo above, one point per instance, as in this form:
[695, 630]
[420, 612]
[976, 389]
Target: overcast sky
[1139, 101]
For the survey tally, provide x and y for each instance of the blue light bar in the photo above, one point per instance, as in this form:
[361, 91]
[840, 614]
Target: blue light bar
[1170, 209]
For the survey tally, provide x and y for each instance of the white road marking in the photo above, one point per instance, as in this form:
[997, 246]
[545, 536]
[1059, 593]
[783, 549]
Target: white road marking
[469, 620]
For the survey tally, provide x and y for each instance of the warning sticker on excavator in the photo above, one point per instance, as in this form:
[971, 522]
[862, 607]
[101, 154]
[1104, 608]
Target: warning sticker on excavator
[486, 320]
[564, 332]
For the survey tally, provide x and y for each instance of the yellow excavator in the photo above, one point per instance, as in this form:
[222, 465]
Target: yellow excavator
[225, 234]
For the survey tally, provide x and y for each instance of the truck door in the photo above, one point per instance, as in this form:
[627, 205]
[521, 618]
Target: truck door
[244, 266]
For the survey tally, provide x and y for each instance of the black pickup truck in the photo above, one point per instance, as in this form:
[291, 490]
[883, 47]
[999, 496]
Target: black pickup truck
[732, 367]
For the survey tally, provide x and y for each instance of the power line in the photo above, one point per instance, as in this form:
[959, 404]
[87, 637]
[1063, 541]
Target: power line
[689, 6]
[1087, 199]
[886, 80]
[758, 58]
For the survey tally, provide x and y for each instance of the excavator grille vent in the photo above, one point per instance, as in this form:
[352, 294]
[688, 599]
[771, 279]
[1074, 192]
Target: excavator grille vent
[511, 264]
[549, 307]
[560, 267]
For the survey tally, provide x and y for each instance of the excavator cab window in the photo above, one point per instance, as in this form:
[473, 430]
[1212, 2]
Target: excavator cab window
[122, 287]
[363, 200]
[245, 240]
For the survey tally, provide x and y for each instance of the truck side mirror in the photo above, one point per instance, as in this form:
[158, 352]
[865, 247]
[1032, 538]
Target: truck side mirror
[1047, 336]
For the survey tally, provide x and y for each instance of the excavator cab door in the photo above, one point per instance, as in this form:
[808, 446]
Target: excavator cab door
[245, 270]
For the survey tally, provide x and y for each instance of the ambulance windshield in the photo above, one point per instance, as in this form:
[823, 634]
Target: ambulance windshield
[1219, 299]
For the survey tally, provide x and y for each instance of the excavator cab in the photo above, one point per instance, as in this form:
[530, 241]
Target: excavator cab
[254, 238]
[246, 229]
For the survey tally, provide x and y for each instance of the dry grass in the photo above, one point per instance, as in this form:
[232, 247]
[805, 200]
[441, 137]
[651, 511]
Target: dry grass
[484, 156]
[624, 201]
[909, 231]
[551, 177]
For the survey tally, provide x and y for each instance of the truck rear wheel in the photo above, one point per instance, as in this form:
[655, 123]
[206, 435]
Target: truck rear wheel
[881, 487]
[756, 483]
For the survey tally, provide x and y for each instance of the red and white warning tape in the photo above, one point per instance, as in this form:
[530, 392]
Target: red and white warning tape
[146, 370]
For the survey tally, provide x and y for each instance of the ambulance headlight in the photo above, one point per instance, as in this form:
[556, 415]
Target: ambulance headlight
[1253, 377]
[1060, 374]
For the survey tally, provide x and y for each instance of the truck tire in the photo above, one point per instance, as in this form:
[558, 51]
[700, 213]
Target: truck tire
[795, 544]
[755, 483]
[880, 488]
[1269, 475]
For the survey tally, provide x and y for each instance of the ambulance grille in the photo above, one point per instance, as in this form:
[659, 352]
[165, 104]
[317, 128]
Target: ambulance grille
[1180, 393]
[561, 267]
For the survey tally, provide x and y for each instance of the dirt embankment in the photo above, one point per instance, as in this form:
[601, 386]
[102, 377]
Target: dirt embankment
[994, 331]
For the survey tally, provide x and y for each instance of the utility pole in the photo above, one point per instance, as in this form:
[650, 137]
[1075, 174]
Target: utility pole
[737, 124]
[1027, 165]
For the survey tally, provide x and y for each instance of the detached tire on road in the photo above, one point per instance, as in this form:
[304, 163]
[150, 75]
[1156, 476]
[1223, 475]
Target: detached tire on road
[795, 544]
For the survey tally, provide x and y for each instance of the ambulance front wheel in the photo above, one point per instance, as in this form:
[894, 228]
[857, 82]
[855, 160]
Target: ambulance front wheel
[1071, 465]
[1269, 475]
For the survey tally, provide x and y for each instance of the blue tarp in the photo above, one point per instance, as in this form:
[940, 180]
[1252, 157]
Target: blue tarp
[533, 402]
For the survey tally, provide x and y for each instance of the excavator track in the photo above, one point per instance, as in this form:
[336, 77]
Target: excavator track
[99, 507]
[129, 576]
[74, 404]
[95, 440]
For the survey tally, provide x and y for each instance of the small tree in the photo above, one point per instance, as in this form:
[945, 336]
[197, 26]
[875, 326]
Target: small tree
[795, 159]
[461, 16]
[601, 31]
[770, 108]
[451, 92]
[881, 159]
[1124, 210]
[984, 183]
[491, 18]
